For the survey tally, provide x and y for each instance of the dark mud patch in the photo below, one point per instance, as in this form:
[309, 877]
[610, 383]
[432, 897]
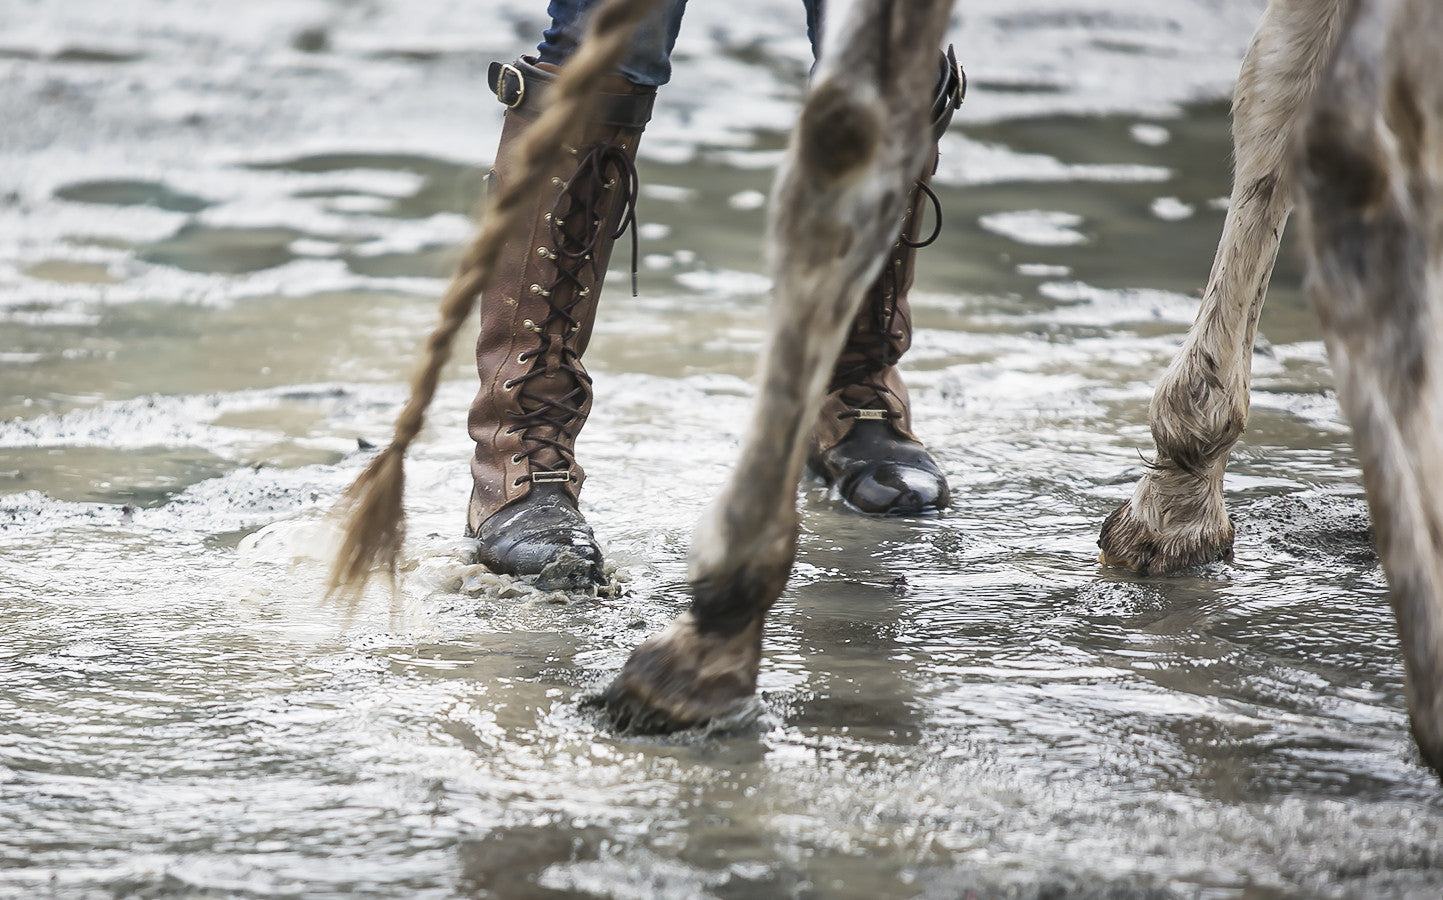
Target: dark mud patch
[32, 511]
[1311, 527]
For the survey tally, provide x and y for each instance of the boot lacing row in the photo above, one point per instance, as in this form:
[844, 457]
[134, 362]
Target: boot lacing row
[867, 359]
[577, 228]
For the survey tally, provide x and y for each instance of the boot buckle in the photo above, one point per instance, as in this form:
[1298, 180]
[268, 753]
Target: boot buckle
[510, 86]
[561, 477]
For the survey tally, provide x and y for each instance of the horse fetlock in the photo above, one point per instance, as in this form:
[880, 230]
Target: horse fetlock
[1195, 420]
[737, 570]
[685, 676]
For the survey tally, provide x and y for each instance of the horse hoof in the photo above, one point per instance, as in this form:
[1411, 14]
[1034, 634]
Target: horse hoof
[1130, 543]
[685, 677]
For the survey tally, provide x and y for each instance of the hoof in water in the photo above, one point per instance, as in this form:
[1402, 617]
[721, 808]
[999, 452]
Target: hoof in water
[685, 677]
[1129, 543]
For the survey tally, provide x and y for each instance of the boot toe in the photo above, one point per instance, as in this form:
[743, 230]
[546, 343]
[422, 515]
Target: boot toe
[553, 560]
[896, 489]
[544, 540]
[880, 473]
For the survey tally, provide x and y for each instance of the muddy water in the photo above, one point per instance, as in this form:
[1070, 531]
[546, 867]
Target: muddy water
[222, 232]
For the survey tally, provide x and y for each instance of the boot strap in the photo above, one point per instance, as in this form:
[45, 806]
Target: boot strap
[522, 85]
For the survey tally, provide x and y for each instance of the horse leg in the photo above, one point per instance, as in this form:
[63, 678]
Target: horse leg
[1176, 518]
[1372, 228]
[837, 205]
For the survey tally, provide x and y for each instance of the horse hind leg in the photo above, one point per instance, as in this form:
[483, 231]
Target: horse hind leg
[1175, 517]
[1373, 238]
[836, 209]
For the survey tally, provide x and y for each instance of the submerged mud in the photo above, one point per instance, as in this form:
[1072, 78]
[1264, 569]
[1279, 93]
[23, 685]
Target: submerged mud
[222, 235]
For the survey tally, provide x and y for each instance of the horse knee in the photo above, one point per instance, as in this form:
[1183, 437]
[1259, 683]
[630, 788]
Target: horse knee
[839, 132]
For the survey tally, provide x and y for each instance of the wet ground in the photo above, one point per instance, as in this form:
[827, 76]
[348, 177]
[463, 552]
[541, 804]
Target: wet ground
[223, 229]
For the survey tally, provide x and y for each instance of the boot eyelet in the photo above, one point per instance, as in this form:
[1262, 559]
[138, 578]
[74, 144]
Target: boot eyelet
[517, 482]
[508, 385]
[515, 457]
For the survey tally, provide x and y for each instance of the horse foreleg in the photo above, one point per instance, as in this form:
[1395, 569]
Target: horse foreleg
[1199, 409]
[1372, 229]
[837, 205]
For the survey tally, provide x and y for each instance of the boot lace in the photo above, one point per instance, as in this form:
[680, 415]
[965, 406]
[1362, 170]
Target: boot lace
[872, 347]
[604, 186]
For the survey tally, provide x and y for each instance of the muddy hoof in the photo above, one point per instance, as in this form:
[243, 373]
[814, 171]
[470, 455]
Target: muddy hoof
[1128, 542]
[683, 678]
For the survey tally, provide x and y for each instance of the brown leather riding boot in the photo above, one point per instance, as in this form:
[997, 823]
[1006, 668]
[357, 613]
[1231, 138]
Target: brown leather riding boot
[536, 319]
[862, 441]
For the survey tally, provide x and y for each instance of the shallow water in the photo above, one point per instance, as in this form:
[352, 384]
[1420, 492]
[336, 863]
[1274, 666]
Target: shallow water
[222, 233]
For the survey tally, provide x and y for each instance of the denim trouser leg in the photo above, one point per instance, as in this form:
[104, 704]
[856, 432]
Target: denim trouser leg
[649, 61]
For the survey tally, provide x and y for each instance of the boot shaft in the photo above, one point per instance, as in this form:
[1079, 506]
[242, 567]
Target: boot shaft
[865, 383]
[537, 311]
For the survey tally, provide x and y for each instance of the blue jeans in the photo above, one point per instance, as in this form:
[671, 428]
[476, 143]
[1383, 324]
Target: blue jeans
[649, 61]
